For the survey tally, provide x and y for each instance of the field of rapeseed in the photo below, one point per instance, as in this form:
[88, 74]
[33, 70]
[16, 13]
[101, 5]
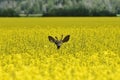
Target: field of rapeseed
[92, 53]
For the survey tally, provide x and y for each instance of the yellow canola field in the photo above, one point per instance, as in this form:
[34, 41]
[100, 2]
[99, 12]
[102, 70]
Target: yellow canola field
[92, 53]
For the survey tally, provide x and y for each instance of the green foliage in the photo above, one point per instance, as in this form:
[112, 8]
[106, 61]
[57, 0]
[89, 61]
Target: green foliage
[63, 7]
[79, 11]
[67, 11]
[8, 13]
[102, 13]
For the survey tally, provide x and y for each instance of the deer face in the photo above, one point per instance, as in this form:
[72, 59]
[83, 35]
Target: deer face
[59, 42]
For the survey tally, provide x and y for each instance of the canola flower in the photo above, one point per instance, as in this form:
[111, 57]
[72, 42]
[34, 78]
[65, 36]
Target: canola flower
[92, 52]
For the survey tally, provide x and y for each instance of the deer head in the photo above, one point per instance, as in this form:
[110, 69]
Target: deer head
[59, 42]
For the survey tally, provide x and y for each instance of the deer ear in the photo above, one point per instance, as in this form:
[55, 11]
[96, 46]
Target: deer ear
[51, 39]
[66, 39]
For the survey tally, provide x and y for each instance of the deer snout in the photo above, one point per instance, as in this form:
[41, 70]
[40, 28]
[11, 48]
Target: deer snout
[58, 47]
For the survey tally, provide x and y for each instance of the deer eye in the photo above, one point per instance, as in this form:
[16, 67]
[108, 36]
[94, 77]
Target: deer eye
[56, 42]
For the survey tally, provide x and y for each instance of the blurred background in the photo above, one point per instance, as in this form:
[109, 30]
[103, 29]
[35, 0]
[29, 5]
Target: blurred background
[13, 8]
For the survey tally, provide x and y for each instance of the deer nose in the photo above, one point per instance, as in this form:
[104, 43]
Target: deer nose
[58, 47]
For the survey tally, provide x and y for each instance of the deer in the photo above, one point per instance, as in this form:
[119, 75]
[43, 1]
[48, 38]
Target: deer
[57, 42]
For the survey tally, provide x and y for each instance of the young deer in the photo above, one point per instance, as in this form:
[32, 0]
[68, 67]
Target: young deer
[59, 42]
